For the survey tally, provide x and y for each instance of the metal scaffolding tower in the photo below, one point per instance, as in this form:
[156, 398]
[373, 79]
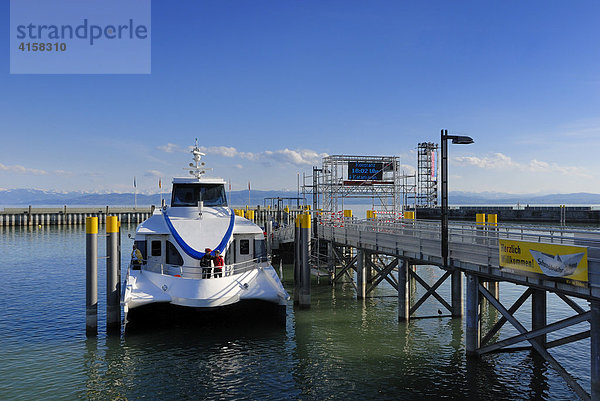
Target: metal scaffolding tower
[344, 177]
[427, 195]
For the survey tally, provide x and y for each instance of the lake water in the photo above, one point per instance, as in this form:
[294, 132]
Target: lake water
[341, 348]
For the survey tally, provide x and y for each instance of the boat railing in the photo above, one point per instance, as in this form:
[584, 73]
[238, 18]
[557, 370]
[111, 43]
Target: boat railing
[207, 272]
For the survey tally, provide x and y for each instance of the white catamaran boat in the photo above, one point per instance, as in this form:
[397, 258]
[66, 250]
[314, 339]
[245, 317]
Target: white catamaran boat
[173, 275]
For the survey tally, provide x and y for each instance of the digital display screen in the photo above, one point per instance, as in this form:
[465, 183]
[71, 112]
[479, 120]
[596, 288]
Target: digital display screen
[365, 171]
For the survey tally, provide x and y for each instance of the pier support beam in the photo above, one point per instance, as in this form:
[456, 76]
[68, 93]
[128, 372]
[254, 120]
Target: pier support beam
[538, 314]
[331, 262]
[403, 291]
[473, 328]
[361, 275]
[595, 349]
[91, 276]
[457, 293]
[113, 307]
[493, 287]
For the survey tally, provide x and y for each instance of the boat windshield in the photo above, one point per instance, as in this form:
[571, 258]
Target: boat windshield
[190, 194]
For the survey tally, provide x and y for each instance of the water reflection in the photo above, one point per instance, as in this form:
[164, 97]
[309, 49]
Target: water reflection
[189, 363]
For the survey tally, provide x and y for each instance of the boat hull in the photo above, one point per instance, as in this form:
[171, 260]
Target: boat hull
[151, 290]
[245, 313]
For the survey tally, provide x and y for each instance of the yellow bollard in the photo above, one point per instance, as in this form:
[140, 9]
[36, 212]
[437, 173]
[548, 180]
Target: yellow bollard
[409, 215]
[347, 213]
[305, 220]
[492, 220]
[250, 214]
[480, 219]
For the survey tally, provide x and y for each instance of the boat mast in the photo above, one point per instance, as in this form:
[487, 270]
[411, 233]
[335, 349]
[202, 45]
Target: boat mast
[197, 168]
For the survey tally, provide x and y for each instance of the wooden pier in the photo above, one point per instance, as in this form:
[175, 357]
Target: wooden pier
[367, 252]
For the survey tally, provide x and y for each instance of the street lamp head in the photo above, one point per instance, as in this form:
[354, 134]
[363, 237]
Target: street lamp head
[460, 139]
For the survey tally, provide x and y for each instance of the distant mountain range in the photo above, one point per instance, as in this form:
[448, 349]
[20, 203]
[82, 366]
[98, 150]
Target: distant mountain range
[19, 197]
[34, 197]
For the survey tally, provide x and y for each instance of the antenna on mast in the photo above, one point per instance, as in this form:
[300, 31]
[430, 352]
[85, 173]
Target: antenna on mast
[197, 168]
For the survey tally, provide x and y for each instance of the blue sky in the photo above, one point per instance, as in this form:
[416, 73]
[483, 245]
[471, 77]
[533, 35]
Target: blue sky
[269, 87]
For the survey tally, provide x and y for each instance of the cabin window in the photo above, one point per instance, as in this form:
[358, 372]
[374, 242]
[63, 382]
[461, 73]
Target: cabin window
[244, 247]
[156, 251]
[260, 250]
[186, 195]
[173, 255]
[141, 245]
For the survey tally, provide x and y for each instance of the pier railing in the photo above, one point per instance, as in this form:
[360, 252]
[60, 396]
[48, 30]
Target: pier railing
[198, 272]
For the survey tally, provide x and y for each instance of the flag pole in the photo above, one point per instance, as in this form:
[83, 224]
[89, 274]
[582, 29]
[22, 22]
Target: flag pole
[135, 194]
[248, 192]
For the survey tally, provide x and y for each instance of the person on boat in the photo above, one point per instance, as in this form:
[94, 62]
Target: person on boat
[136, 257]
[219, 263]
[205, 263]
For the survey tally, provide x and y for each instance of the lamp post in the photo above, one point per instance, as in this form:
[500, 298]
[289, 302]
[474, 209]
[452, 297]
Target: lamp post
[456, 276]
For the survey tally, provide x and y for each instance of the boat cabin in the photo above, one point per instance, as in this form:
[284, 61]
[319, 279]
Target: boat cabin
[190, 194]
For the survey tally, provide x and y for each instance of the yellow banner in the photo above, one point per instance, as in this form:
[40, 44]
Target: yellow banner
[551, 260]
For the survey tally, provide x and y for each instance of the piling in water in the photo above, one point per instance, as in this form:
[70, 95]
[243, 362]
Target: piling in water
[113, 308]
[297, 261]
[91, 276]
[304, 298]
[361, 274]
[472, 325]
[403, 292]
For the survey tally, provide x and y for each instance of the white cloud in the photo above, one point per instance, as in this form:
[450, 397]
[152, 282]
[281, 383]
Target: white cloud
[225, 151]
[408, 169]
[16, 168]
[153, 173]
[170, 148]
[500, 161]
[296, 157]
[300, 157]
[497, 160]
